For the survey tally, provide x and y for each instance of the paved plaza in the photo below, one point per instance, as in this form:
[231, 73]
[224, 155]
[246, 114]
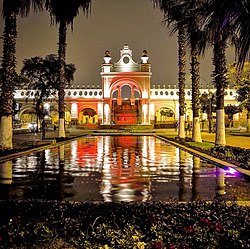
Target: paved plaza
[232, 140]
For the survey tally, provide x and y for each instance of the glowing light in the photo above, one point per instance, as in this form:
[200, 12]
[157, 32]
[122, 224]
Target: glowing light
[144, 94]
[107, 58]
[231, 171]
[107, 111]
[144, 59]
[152, 110]
[46, 105]
[74, 110]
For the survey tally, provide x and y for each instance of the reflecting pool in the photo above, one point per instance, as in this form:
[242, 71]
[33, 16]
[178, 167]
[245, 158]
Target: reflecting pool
[118, 168]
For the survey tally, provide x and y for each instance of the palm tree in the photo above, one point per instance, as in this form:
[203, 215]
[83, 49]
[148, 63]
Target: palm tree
[174, 16]
[10, 10]
[196, 41]
[235, 14]
[63, 13]
[223, 19]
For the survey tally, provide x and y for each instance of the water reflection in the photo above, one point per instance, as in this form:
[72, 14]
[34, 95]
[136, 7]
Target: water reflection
[117, 168]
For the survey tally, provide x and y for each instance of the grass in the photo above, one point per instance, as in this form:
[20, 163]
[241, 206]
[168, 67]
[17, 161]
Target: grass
[203, 145]
[243, 134]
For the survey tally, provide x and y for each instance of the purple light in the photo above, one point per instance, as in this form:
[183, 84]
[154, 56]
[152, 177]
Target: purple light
[231, 171]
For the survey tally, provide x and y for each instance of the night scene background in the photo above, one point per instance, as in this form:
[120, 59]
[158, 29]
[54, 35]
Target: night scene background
[109, 26]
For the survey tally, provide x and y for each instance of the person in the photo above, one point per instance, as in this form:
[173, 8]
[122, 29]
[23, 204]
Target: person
[186, 127]
[189, 128]
[43, 128]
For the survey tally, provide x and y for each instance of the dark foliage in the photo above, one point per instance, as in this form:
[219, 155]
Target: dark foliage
[235, 155]
[34, 224]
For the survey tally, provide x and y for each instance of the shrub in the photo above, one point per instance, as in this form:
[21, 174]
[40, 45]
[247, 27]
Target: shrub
[34, 224]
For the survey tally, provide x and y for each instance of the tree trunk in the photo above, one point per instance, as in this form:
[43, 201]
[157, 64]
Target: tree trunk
[195, 75]
[210, 116]
[220, 71]
[182, 68]
[61, 91]
[8, 80]
[248, 121]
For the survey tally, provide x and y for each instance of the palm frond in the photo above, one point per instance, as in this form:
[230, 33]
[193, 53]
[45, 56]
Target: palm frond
[67, 10]
[21, 7]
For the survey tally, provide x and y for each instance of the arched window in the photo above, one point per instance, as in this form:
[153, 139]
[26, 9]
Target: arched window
[126, 91]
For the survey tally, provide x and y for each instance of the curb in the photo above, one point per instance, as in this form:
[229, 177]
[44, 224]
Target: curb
[39, 148]
[216, 161]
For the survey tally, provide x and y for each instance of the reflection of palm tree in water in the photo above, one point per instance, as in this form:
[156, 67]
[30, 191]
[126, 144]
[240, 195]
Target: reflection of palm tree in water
[182, 189]
[182, 166]
[6, 180]
[61, 173]
[220, 180]
[195, 178]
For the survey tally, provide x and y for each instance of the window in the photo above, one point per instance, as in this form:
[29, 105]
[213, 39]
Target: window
[126, 60]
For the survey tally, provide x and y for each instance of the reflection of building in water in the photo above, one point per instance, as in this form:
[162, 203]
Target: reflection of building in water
[123, 178]
[112, 168]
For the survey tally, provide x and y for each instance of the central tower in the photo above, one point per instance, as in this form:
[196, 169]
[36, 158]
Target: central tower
[126, 89]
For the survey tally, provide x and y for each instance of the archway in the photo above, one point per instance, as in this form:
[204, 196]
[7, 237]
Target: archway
[88, 117]
[27, 115]
[125, 109]
[164, 117]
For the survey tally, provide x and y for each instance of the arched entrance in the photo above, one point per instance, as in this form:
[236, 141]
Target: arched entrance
[164, 117]
[88, 118]
[27, 116]
[125, 108]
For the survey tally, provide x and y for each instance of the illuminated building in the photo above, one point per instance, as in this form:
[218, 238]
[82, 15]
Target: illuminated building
[124, 98]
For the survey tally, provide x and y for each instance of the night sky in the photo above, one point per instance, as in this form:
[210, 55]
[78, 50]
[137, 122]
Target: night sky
[111, 24]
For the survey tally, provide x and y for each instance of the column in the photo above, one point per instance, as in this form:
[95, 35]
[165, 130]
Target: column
[119, 98]
[106, 112]
[132, 100]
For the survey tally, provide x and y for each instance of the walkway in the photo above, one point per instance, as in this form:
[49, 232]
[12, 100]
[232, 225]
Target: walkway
[232, 140]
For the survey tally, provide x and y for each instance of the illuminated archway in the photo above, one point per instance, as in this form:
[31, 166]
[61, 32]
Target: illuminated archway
[131, 85]
[88, 116]
[27, 115]
[165, 115]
